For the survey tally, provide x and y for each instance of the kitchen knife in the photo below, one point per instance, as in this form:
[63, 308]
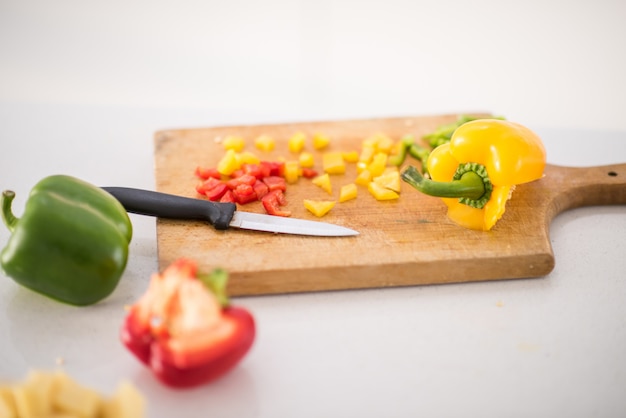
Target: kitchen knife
[220, 215]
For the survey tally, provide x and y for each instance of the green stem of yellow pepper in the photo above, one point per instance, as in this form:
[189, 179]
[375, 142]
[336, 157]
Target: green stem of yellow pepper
[470, 184]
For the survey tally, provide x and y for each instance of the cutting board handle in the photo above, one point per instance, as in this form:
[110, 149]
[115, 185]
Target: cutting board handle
[572, 187]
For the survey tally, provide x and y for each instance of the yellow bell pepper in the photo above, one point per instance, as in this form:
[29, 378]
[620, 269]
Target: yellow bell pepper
[476, 172]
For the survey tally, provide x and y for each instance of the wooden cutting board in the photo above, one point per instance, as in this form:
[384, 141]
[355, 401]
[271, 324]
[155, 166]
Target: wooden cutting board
[405, 242]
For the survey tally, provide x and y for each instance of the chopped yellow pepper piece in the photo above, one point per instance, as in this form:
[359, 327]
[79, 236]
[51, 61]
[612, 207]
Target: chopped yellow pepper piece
[296, 142]
[229, 163]
[397, 148]
[247, 157]
[292, 172]
[323, 181]
[306, 159]
[126, 402]
[236, 143]
[379, 141]
[381, 193]
[370, 142]
[389, 180]
[265, 143]
[364, 178]
[33, 398]
[367, 152]
[378, 164]
[384, 143]
[347, 192]
[320, 141]
[351, 156]
[74, 398]
[391, 169]
[319, 208]
[333, 163]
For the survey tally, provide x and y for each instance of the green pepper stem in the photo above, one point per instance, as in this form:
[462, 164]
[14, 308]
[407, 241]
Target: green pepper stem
[470, 185]
[7, 215]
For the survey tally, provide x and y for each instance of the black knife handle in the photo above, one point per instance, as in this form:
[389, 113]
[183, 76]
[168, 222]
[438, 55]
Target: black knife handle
[163, 205]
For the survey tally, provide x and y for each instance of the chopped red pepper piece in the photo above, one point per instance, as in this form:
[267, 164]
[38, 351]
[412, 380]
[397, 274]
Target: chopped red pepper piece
[273, 168]
[216, 192]
[205, 173]
[309, 173]
[207, 185]
[244, 193]
[275, 183]
[228, 197]
[243, 179]
[184, 329]
[237, 173]
[253, 170]
[260, 189]
[273, 201]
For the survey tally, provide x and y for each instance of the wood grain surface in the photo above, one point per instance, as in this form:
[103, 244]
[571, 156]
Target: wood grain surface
[405, 242]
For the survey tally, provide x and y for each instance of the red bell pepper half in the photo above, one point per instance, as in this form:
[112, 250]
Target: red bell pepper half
[184, 328]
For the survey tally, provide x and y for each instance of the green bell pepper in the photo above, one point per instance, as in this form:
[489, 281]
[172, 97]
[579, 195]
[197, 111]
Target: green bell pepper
[71, 243]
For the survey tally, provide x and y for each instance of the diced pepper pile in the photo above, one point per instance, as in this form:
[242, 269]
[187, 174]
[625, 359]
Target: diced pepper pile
[244, 183]
[242, 177]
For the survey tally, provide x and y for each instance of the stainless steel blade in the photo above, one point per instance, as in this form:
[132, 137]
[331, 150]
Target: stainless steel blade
[280, 224]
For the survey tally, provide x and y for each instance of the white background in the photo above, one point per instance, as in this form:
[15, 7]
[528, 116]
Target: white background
[84, 85]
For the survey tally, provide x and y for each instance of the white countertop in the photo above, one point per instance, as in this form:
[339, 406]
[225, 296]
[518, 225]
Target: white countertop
[84, 87]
